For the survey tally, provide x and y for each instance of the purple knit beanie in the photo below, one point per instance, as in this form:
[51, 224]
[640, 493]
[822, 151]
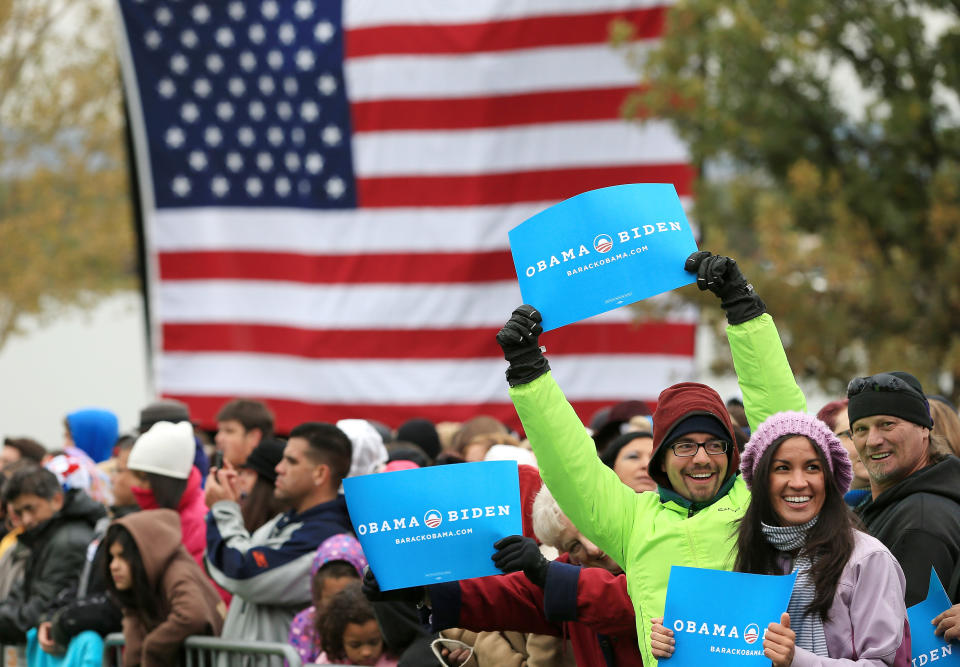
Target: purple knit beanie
[797, 423]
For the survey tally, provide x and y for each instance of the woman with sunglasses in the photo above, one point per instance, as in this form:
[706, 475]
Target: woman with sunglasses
[847, 604]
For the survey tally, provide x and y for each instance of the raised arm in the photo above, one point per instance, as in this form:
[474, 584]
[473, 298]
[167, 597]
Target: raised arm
[588, 492]
[764, 375]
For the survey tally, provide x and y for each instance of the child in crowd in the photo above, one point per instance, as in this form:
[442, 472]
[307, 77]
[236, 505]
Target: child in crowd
[339, 561]
[349, 632]
[164, 594]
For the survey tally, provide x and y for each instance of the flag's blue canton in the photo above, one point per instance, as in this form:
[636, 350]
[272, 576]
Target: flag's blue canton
[244, 102]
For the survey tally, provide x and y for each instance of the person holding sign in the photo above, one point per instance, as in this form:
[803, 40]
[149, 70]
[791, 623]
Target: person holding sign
[581, 595]
[847, 604]
[687, 521]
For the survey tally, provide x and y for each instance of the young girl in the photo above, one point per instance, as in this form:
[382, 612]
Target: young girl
[164, 594]
[847, 604]
[349, 632]
[338, 562]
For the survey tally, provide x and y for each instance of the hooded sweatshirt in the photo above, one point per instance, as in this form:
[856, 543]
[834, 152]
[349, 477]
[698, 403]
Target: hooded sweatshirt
[646, 533]
[188, 603]
[94, 431]
[193, 518]
[919, 521]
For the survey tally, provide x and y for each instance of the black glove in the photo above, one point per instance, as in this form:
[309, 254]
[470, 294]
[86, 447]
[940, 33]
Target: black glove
[518, 339]
[371, 590]
[517, 552]
[722, 276]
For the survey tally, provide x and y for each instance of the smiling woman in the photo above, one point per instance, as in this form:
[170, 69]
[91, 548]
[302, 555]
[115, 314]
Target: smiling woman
[798, 471]
[847, 603]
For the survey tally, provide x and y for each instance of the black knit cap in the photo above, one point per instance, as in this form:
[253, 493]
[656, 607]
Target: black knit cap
[896, 393]
[698, 424]
[265, 457]
[610, 454]
[422, 433]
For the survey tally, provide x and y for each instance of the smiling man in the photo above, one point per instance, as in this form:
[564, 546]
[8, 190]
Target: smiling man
[914, 502]
[688, 520]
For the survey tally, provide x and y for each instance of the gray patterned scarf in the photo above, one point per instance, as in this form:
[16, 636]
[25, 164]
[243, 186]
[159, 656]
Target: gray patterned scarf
[808, 626]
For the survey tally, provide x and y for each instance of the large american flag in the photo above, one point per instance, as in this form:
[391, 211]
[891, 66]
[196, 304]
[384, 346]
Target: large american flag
[327, 188]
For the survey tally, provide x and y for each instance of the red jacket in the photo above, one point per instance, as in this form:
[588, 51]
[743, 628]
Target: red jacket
[588, 605]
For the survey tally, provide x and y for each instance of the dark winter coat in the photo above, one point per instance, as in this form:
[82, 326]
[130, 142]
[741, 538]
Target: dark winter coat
[918, 520]
[58, 550]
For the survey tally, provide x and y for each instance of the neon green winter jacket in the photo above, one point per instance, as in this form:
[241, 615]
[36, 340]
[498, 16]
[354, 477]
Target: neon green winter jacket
[646, 533]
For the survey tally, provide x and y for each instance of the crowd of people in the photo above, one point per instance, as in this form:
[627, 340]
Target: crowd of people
[169, 532]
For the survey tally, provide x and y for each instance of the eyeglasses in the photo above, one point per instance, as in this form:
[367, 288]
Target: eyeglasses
[685, 448]
[880, 382]
[845, 434]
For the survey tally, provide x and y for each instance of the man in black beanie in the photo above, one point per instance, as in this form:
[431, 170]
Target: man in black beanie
[914, 504]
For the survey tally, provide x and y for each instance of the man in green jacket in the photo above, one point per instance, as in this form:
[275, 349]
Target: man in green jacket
[690, 519]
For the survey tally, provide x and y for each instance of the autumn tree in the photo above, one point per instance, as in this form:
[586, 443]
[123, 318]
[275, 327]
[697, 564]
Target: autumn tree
[66, 236]
[826, 135]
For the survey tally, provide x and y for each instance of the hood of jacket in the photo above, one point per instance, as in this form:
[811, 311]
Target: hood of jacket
[675, 404]
[94, 431]
[157, 535]
[77, 506]
[942, 479]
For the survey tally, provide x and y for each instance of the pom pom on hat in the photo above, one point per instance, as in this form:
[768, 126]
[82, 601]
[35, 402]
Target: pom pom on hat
[797, 423]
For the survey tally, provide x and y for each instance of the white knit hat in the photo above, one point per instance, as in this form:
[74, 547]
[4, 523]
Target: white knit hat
[511, 453]
[166, 449]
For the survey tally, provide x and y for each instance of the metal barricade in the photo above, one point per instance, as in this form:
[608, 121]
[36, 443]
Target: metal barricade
[13, 655]
[201, 650]
[113, 649]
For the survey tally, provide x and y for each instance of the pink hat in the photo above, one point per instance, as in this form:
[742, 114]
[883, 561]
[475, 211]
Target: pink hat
[797, 423]
[399, 464]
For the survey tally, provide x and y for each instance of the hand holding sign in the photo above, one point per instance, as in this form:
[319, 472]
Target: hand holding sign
[948, 623]
[371, 590]
[722, 276]
[519, 340]
[661, 639]
[926, 619]
[780, 642]
[517, 552]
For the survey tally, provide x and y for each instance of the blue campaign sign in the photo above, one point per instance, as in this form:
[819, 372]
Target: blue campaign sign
[718, 617]
[601, 250]
[437, 524]
[925, 646]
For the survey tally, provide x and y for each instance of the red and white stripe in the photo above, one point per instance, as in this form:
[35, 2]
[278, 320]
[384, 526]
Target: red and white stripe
[468, 118]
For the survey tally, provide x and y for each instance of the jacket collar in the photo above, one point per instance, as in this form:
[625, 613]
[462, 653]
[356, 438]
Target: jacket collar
[671, 496]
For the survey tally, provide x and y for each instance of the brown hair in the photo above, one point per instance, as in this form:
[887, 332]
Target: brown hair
[946, 424]
[260, 505]
[250, 413]
[829, 542]
[29, 448]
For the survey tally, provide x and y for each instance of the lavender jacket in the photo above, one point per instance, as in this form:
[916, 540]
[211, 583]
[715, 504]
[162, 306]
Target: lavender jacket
[868, 617]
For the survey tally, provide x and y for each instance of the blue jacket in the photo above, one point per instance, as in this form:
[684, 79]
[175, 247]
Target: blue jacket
[268, 572]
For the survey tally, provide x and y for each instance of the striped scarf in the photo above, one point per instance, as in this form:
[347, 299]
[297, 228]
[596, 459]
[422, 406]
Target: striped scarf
[808, 626]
